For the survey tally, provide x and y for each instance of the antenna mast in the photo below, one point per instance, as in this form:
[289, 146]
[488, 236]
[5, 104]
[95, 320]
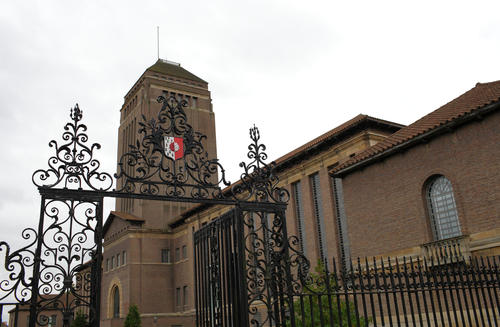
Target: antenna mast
[158, 41]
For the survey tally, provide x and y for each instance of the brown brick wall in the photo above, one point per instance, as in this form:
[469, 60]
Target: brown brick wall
[385, 206]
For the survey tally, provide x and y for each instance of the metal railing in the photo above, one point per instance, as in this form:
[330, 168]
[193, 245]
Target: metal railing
[407, 292]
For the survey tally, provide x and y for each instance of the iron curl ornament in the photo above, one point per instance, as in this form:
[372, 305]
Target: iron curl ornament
[18, 264]
[73, 166]
[170, 160]
[259, 182]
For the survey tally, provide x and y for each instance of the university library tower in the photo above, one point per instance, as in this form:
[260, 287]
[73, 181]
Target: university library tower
[147, 262]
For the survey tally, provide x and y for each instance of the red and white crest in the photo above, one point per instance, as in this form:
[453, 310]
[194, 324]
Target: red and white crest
[173, 147]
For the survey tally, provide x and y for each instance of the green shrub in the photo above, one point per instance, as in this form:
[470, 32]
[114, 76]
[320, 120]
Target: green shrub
[133, 317]
[317, 293]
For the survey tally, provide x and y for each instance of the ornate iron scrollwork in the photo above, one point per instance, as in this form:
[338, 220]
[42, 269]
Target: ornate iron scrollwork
[17, 264]
[67, 257]
[73, 165]
[259, 181]
[170, 159]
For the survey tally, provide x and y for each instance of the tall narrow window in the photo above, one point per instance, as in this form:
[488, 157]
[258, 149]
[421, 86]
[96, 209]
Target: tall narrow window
[124, 255]
[116, 303]
[184, 295]
[299, 214]
[345, 252]
[178, 296]
[118, 262]
[184, 252]
[442, 208]
[177, 254]
[318, 213]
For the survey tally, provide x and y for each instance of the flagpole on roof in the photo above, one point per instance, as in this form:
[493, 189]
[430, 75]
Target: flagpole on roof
[158, 41]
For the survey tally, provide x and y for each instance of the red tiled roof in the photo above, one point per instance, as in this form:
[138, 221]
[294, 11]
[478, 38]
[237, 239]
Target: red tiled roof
[476, 98]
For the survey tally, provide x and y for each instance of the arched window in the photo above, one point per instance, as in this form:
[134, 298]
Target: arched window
[442, 208]
[116, 302]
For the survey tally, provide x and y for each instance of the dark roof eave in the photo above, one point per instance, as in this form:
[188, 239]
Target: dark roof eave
[478, 113]
[338, 137]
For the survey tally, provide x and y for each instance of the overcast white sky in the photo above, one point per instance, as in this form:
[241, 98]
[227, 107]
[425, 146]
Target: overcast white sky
[294, 68]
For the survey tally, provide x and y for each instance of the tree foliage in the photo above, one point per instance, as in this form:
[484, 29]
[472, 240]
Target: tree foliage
[133, 317]
[320, 303]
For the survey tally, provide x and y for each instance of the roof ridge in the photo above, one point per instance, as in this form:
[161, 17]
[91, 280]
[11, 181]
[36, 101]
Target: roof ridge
[477, 97]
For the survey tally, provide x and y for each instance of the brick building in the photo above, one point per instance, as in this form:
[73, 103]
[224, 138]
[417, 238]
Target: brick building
[345, 198]
[367, 187]
[432, 188]
[144, 263]
[148, 246]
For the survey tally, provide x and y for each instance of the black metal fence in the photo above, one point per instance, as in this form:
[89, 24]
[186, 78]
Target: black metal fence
[392, 292]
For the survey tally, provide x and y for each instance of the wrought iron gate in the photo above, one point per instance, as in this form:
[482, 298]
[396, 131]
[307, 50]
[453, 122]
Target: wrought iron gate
[243, 268]
[220, 289]
[60, 268]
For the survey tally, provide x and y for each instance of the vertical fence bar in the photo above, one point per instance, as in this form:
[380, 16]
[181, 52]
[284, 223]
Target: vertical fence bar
[494, 281]
[230, 257]
[442, 285]
[422, 276]
[206, 277]
[379, 296]
[476, 289]
[311, 309]
[329, 292]
[394, 292]
[465, 272]
[430, 285]
[225, 266]
[435, 286]
[201, 297]
[450, 289]
[479, 286]
[465, 285]
[361, 274]
[386, 291]
[487, 282]
[240, 257]
[456, 288]
[36, 267]
[416, 286]
[401, 291]
[352, 281]
[483, 282]
[370, 292]
[96, 267]
[196, 286]
[409, 290]
[337, 292]
[346, 295]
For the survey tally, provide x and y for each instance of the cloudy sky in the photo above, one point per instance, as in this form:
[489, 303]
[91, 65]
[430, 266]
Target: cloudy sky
[294, 68]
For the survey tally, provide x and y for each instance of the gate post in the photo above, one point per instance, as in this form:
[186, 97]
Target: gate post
[36, 267]
[242, 276]
[96, 270]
